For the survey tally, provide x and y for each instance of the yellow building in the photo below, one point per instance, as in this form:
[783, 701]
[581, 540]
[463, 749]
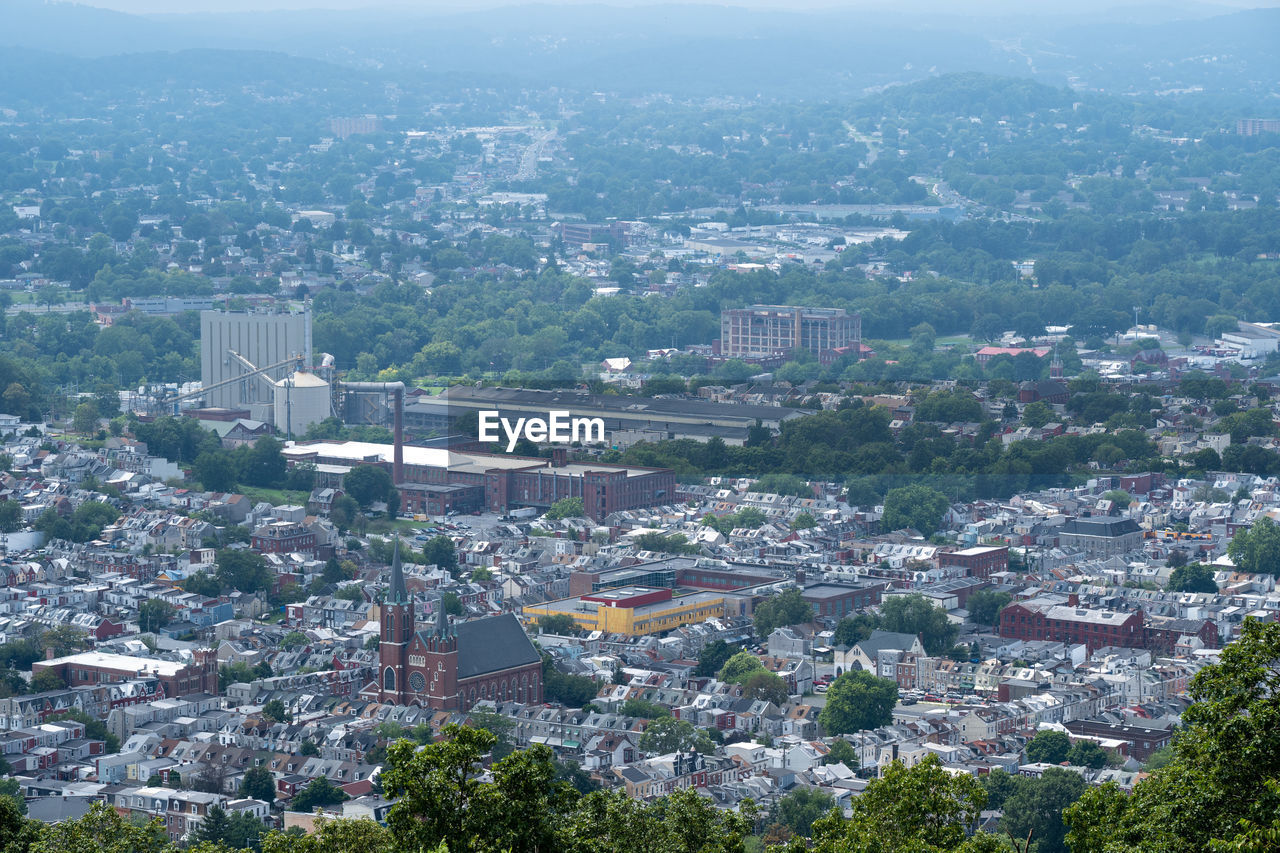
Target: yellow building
[633, 611]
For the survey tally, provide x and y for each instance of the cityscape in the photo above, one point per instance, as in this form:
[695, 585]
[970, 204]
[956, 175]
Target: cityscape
[591, 428]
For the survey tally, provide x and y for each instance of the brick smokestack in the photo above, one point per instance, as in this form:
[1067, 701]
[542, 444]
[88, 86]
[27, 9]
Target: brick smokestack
[397, 465]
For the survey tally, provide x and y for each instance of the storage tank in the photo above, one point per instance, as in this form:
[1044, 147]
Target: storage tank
[301, 400]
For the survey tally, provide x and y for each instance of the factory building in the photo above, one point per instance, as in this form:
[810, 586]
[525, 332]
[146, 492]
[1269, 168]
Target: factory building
[433, 478]
[261, 362]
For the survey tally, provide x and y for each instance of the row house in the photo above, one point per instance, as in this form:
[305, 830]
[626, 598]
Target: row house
[180, 811]
[658, 777]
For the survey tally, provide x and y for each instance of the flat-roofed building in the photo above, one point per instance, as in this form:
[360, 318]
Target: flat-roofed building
[979, 562]
[177, 678]
[633, 611]
[496, 481]
[765, 330]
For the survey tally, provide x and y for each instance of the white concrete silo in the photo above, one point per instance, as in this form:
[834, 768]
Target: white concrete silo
[301, 400]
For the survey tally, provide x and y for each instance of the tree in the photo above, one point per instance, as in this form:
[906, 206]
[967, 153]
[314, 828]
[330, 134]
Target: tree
[63, 640]
[667, 734]
[212, 829]
[275, 712]
[781, 484]
[923, 337]
[799, 809]
[293, 640]
[258, 784]
[1037, 805]
[344, 512]
[572, 690]
[266, 466]
[566, 508]
[451, 604]
[922, 808]
[216, 471]
[852, 630]
[915, 614]
[1086, 753]
[713, 656]
[10, 788]
[154, 614]
[243, 570]
[1220, 781]
[765, 685]
[558, 623]
[481, 574]
[915, 506]
[857, 701]
[439, 551]
[440, 796]
[682, 822]
[1037, 414]
[367, 484]
[243, 831]
[782, 610]
[984, 606]
[332, 836]
[643, 709]
[202, 583]
[85, 419]
[1193, 577]
[739, 666]
[803, 521]
[675, 543]
[320, 792]
[841, 752]
[1048, 747]
[309, 749]
[47, 680]
[10, 516]
[16, 832]
[103, 830]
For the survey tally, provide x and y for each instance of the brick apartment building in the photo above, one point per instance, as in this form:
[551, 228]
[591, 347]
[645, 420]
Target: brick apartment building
[176, 678]
[980, 562]
[1065, 623]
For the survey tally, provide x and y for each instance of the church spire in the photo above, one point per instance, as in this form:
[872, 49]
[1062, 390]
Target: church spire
[397, 594]
[442, 618]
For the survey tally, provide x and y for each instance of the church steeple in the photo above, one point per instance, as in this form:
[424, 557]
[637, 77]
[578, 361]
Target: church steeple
[397, 594]
[442, 619]
[398, 618]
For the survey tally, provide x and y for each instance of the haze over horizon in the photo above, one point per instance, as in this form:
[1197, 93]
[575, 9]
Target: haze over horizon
[163, 7]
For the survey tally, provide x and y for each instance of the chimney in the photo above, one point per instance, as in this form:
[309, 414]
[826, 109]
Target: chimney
[397, 470]
[49, 654]
[559, 457]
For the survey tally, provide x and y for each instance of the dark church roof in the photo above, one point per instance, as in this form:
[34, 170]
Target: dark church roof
[491, 644]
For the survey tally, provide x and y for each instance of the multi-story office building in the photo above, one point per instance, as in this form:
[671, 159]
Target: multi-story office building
[761, 331]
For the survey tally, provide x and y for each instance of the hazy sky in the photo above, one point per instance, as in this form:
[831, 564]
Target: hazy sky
[179, 6]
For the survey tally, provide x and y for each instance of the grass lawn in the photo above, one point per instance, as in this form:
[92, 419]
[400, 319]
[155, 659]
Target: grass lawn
[275, 497]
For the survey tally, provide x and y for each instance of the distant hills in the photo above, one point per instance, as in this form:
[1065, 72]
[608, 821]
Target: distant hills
[692, 49]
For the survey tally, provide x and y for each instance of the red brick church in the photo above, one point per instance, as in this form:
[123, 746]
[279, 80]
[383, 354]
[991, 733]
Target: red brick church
[452, 665]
